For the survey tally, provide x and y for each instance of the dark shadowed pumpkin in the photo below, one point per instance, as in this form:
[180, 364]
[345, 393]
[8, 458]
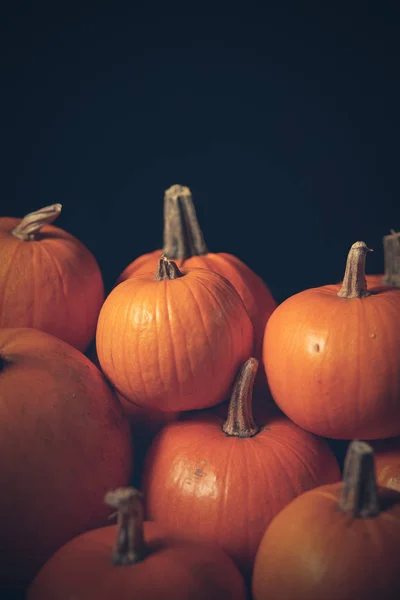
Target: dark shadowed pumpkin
[63, 443]
[136, 560]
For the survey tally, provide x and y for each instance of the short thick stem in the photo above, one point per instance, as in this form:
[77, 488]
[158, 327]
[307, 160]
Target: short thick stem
[167, 269]
[391, 247]
[359, 496]
[183, 237]
[240, 422]
[130, 546]
[354, 283]
[32, 223]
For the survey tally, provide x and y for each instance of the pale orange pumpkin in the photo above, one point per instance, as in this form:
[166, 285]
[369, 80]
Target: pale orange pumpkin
[173, 341]
[336, 542]
[48, 279]
[184, 244]
[332, 356]
[63, 442]
[223, 478]
[136, 560]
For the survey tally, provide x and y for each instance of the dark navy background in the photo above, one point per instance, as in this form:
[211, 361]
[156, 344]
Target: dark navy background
[284, 122]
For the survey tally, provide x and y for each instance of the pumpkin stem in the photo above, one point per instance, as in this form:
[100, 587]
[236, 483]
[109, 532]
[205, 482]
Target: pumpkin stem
[354, 283]
[167, 269]
[359, 491]
[130, 546]
[32, 223]
[183, 237]
[391, 247]
[240, 422]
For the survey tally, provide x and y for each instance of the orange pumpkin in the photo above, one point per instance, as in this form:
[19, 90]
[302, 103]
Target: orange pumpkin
[332, 356]
[136, 560]
[48, 279]
[224, 479]
[173, 342]
[387, 462]
[184, 244]
[62, 438]
[337, 542]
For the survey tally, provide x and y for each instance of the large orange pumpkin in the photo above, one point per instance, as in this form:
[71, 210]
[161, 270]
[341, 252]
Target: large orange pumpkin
[136, 560]
[336, 542]
[184, 244]
[63, 443]
[224, 479]
[332, 356]
[48, 279]
[175, 341]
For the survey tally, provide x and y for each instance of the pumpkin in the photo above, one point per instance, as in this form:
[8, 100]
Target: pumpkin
[136, 559]
[62, 438]
[48, 279]
[336, 542]
[184, 244]
[224, 479]
[332, 356]
[387, 462]
[174, 341]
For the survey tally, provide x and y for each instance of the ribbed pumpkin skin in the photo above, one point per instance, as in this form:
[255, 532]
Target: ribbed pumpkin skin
[174, 570]
[173, 345]
[227, 489]
[53, 284]
[312, 550]
[255, 294]
[333, 364]
[387, 463]
[63, 443]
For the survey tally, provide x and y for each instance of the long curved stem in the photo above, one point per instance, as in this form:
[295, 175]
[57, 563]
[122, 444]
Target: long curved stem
[30, 226]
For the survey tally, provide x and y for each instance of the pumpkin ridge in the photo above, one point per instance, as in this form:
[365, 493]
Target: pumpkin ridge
[168, 322]
[7, 276]
[223, 314]
[156, 312]
[132, 308]
[183, 327]
[207, 337]
[57, 269]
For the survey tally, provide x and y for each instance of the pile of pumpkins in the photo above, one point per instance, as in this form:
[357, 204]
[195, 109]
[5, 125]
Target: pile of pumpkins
[199, 421]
